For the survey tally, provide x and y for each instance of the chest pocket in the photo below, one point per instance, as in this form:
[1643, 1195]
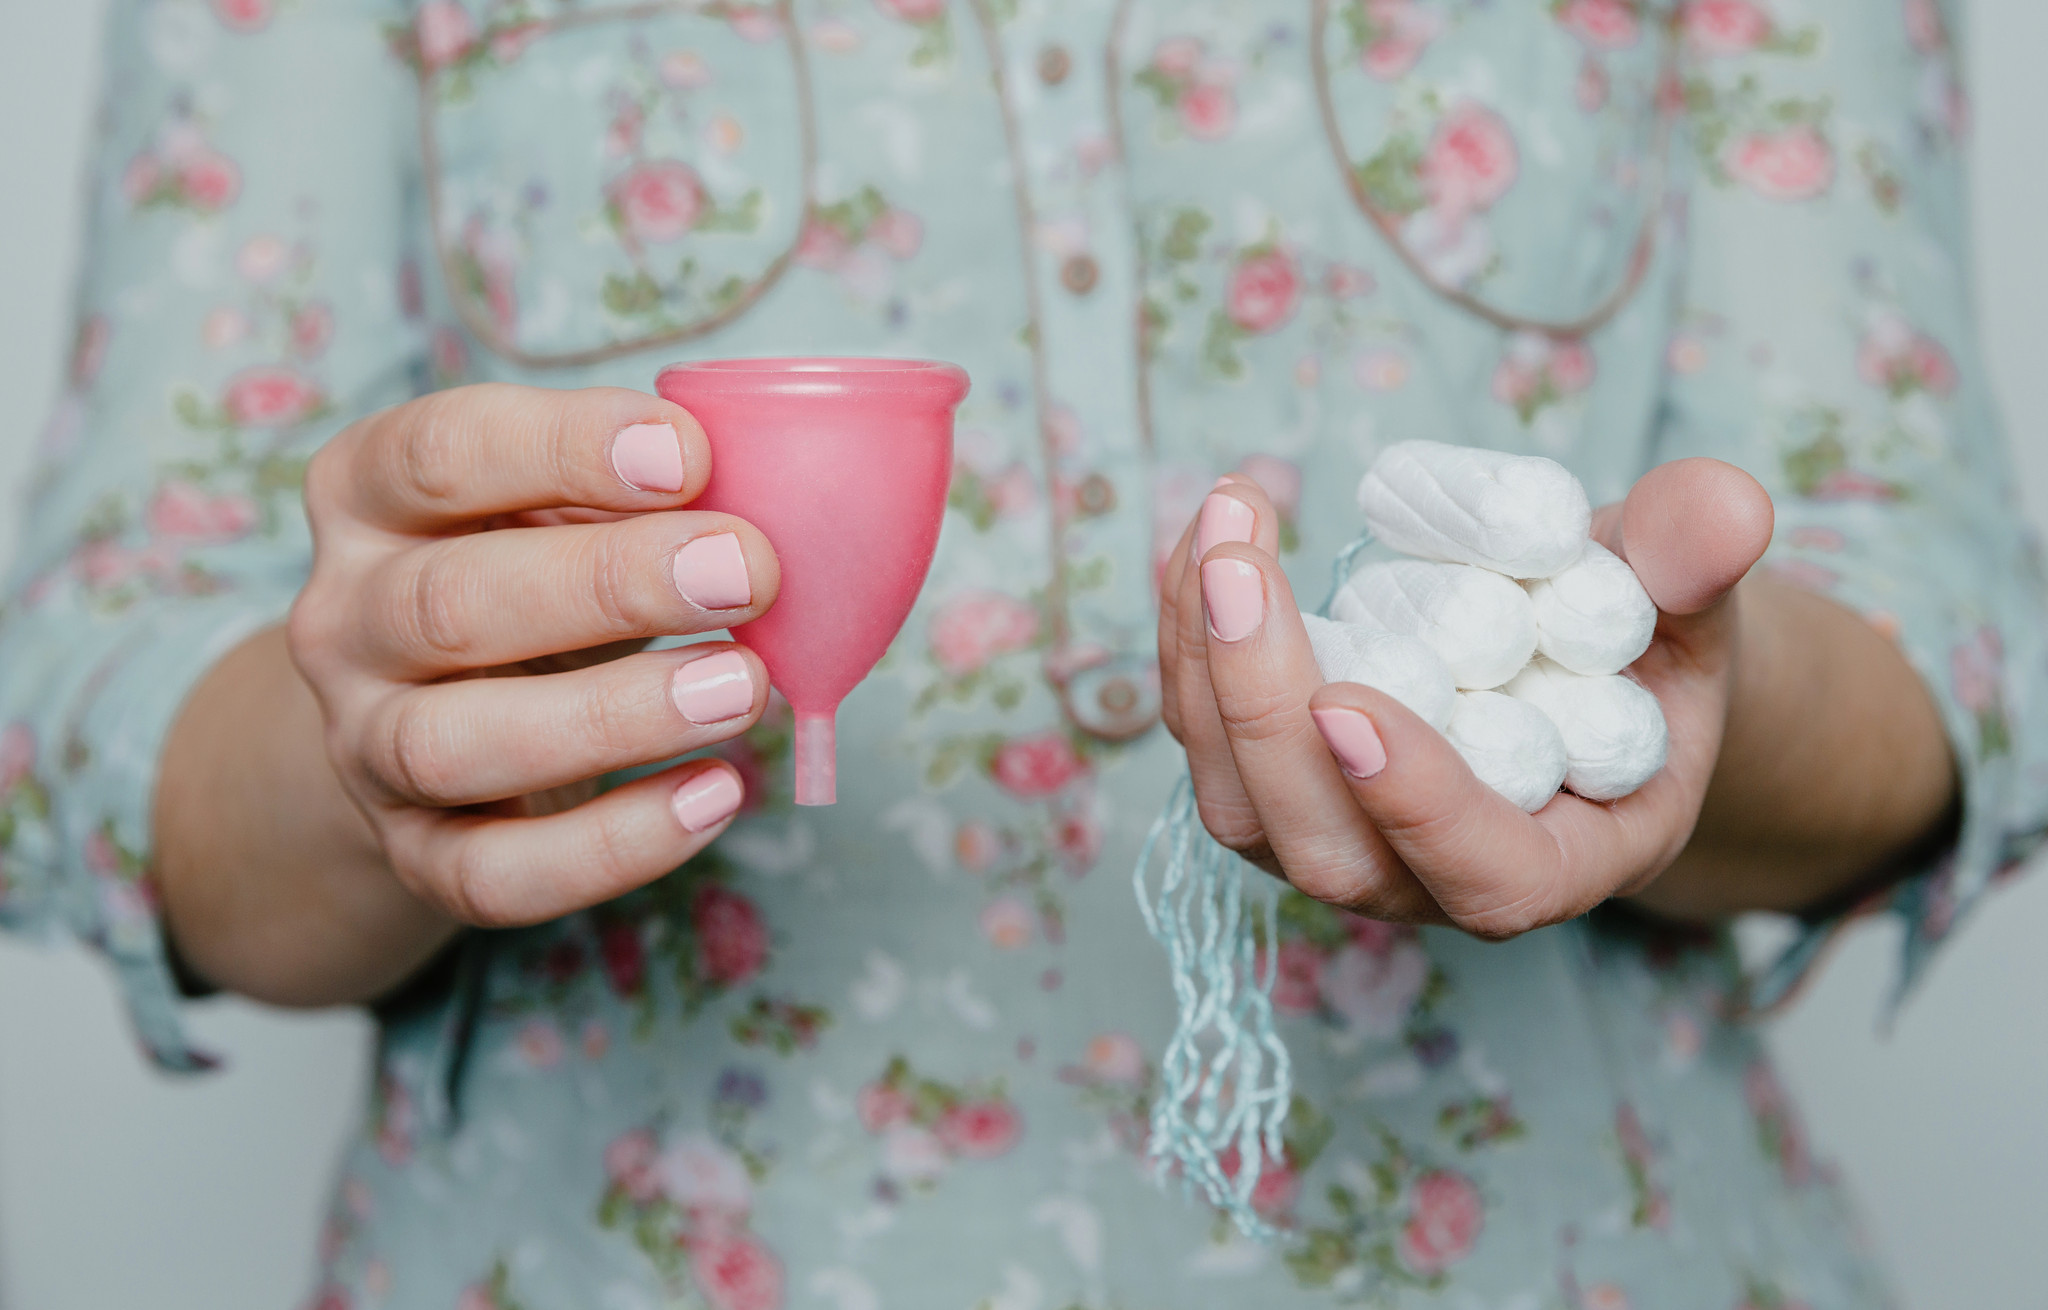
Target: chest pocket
[611, 178]
[1513, 156]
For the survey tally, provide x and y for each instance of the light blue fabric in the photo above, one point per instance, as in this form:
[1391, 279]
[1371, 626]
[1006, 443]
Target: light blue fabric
[907, 1052]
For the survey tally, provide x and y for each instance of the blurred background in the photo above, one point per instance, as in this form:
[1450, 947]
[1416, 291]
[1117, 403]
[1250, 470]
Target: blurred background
[119, 1187]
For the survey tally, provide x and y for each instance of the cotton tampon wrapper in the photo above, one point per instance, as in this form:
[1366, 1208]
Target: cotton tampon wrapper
[1512, 746]
[1593, 616]
[1479, 622]
[1515, 514]
[1402, 667]
[1613, 729]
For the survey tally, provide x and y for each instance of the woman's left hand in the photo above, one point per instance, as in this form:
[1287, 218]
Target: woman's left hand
[1356, 801]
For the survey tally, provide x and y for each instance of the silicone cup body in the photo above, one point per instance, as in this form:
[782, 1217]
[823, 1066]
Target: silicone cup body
[843, 464]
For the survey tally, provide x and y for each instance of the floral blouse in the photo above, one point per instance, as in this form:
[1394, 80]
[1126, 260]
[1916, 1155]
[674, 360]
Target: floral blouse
[901, 1052]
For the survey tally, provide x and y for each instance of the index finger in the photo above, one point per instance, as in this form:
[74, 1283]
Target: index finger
[458, 456]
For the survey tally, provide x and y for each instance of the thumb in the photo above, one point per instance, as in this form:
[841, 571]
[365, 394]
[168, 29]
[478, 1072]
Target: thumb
[1691, 529]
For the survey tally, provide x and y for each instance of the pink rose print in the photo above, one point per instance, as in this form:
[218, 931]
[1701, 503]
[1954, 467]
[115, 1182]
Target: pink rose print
[1591, 88]
[1652, 1205]
[1925, 28]
[1470, 162]
[312, 329]
[1602, 24]
[1896, 357]
[243, 15]
[981, 1130]
[183, 512]
[1115, 1058]
[1538, 371]
[976, 845]
[734, 1271]
[1793, 163]
[262, 258]
[210, 181]
[1208, 110]
[89, 351]
[17, 756]
[270, 396]
[630, 1161]
[1008, 923]
[1032, 768]
[925, 1125]
[1295, 990]
[897, 231]
[1977, 669]
[1279, 478]
[623, 955]
[757, 24]
[706, 1178]
[1264, 290]
[1278, 1188]
[1373, 991]
[1724, 27]
[1196, 88]
[540, 1043]
[973, 629]
[732, 942]
[1396, 34]
[1077, 838]
[1443, 1224]
[1778, 1129]
[913, 11]
[880, 1107]
[658, 202]
[444, 33]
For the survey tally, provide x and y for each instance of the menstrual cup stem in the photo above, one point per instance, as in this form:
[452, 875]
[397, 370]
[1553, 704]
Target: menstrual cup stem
[817, 770]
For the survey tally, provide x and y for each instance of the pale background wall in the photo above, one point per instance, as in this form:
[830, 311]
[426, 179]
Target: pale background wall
[121, 1188]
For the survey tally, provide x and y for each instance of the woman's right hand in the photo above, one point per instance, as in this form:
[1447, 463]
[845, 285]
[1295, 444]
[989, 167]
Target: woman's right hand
[446, 553]
[488, 563]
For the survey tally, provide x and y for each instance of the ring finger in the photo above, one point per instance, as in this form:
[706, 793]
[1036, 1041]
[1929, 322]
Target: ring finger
[478, 740]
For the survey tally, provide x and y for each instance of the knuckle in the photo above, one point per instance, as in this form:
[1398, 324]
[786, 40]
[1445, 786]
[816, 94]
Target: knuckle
[614, 715]
[1232, 827]
[479, 891]
[428, 618]
[417, 761]
[617, 571]
[1505, 922]
[324, 482]
[1259, 717]
[428, 457]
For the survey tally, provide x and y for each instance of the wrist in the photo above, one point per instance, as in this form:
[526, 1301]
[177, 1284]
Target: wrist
[272, 883]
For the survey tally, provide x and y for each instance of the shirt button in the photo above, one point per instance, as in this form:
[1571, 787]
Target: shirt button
[1079, 273]
[1054, 63]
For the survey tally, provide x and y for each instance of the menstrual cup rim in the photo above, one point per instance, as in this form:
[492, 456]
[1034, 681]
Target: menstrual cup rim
[815, 375]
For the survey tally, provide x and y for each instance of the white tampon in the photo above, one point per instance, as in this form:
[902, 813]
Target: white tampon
[1520, 515]
[1512, 746]
[1613, 729]
[1593, 616]
[1479, 622]
[1403, 667]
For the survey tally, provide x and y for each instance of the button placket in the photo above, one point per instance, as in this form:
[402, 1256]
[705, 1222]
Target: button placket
[1082, 257]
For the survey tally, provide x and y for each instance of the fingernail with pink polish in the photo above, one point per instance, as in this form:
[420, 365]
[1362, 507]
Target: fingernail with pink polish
[648, 457]
[711, 572]
[1234, 597]
[1224, 518]
[1353, 740]
[714, 689]
[707, 800]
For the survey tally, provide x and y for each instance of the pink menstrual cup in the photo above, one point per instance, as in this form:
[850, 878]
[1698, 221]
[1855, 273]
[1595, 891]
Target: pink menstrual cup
[843, 465]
